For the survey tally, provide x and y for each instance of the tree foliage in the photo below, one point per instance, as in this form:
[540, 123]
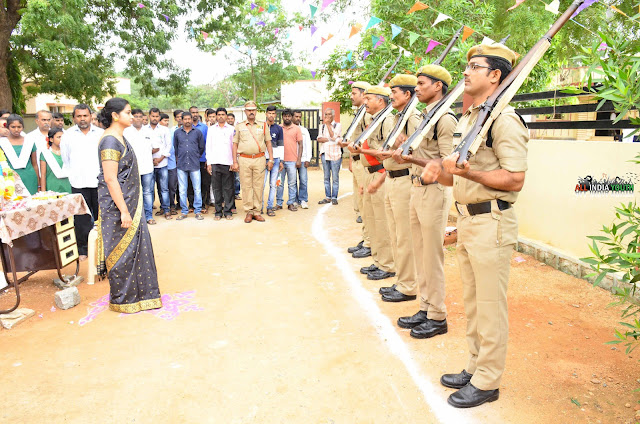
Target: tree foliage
[526, 24]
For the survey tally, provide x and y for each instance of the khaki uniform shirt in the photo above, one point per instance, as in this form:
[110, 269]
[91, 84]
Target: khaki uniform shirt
[412, 123]
[366, 120]
[379, 135]
[251, 139]
[509, 151]
[440, 148]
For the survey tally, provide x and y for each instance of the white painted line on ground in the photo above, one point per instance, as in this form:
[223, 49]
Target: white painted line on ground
[385, 329]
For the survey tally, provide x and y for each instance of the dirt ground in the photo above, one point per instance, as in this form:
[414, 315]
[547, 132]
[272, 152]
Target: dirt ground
[263, 324]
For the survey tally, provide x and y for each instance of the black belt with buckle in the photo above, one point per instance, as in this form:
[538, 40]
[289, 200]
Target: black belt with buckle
[375, 168]
[482, 207]
[396, 174]
[355, 157]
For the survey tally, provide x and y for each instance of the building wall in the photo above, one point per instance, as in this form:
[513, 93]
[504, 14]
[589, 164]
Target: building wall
[549, 210]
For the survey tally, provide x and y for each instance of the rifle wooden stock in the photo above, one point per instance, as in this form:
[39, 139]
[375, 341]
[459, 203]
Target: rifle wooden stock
[373, 125]
[404, 115]
[500, 98]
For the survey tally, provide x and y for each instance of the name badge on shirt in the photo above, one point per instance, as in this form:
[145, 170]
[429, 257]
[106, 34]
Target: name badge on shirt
[457, 137]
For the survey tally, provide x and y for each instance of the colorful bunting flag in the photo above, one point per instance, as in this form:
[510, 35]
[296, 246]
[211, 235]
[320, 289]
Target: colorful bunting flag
[300, 27]
[166, 18]
[553, 7]
[374, 41]
[204, 35]
[141, 6]
[441, 17]
[313, 29]
[299, 68]
[351, 82]
[261, 9]
[272, 8]
[262, 23]
[418, 60]
[193, 34]
[322, 40]
[373, 21]
[412, 38]
[272, 60]
[277, 30]
[314, 9]
[603, 46]
[314, 49]
[365, 54]
[252, 20]
[487, 40]
[326, 3]
[349, 56]
[417, 6]
[395, 30]
[329, 37]
[253, 6]
[583, 6]
[313, 74]
[380, 41]
[466, 33]
[619, 11]
[518, 3]
[248, 51]
[355, 29]
[432, 45]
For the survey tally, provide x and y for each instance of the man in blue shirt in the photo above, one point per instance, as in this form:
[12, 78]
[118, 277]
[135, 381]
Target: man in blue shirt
[188, 143]
[277, 141]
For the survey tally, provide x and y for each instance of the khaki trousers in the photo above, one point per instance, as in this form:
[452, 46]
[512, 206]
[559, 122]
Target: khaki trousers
[375, 216]
[251, 183]
[397, 194]
[485, 244]
[358, 181]
[429, 210]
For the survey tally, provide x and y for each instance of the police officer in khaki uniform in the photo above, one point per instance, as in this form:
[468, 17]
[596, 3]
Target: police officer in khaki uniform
[485, 190]
[250, 141]
[362, 249]
[397, 192]
[429, 209]
[376, 100]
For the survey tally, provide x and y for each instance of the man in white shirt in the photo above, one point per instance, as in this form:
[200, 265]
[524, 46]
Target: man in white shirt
[140, 139]
[79, 151]
[161, 144]
[219, 153]
[303, 194]
[40, 134]
[330, 137]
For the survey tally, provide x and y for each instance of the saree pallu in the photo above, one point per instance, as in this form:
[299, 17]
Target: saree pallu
[125, 254]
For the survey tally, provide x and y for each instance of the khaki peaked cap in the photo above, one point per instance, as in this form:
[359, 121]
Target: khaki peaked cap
[361, 85]
[376, 89]
[403, 80]
[497, 51]
[435, 72]
[250, 105]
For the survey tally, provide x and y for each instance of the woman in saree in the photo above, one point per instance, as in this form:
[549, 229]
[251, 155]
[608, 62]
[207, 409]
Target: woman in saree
[125, 251]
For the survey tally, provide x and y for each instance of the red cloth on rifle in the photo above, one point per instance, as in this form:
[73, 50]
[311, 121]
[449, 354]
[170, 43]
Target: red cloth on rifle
[371, 159]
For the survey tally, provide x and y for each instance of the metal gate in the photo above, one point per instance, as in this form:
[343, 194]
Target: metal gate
[311, 121]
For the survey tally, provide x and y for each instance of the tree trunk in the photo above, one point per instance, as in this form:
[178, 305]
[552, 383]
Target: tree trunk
[9, 18]
[6, 100]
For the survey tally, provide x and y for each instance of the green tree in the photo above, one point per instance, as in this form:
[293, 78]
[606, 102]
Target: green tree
[69, 46]
[264, 58]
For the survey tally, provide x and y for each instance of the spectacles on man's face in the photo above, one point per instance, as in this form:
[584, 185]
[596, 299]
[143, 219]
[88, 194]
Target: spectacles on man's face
[474, 67]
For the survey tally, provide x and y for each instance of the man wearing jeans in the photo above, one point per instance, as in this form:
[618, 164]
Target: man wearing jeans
[188, 143]
[303, 195]
[172, 168]
[292, 156]
[329, 137]
[271, 177]
[161, 148]
[140, 139]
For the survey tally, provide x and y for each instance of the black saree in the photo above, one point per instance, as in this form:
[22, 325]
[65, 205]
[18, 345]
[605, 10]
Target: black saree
[125, 254]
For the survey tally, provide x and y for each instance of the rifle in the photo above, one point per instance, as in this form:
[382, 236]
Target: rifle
[439, 110]
[500, 99]
[403, 116]
[361, 110]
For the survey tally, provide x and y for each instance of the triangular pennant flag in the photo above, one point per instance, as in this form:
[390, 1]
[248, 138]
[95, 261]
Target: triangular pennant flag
[466, 33]
[454, 49]
[141, 6]
[349, 56]
[313, 74]
[441, 17]
[314, 49]
[166, 18]
[365, 54]
[193, 34]
[417, 6]
[355, 29]
[262, 23]
[487, 40]
[583, 6]
[395, 30]
[300, 27]
[313, 29]
[277, 30]
[249, 52]
[299, 68]
[326, 3]
[272, 60]
[252, 20]
[380, 41]
[204, 34]
[261, 9]
[313, 9]
[329, 37]
[351, 82]
[412, 38]
[553, 7]
[603, 46]
[227, 43]
[354, 66]
[518, 3]
[619, 11]
[418, 60]
[272, 8]
[253, 6]
[432, 45]
[322, 40]
[374, 40]
[373, 21]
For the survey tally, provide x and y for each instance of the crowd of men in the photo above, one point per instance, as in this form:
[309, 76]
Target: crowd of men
[404, 201]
